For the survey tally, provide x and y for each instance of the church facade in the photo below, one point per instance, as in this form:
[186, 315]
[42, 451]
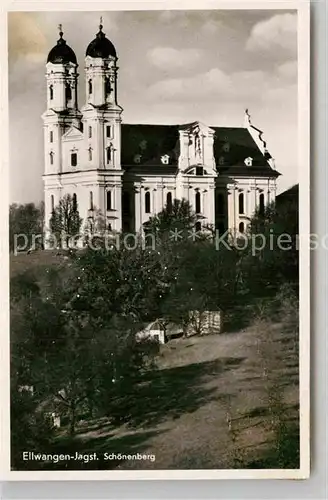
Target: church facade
[130, 172]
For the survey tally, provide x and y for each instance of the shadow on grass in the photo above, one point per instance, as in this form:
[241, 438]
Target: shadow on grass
[170, 393]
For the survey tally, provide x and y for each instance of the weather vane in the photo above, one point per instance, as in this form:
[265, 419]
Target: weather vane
[60, 28]
[101, 22]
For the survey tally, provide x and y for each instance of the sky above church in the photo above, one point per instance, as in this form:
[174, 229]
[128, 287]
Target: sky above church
[174, 67]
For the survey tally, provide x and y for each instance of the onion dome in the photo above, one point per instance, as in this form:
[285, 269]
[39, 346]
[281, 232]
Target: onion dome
[61, 53]
[101, 46]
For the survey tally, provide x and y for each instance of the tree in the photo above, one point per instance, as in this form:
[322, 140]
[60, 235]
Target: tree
[26, 220]
[95, 226]
[177, 217]
[65, 222]
[276, 262]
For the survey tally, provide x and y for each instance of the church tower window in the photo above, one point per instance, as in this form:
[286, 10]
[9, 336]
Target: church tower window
[108, 87]
[90, 154]
[68, 92]
[198, 226]
[108, 131]
[90, 87]
[109, 200]
[109, 154]
[51, 136]
[51, 156]
[51, 92]
[197, 203]
[91, 200]
[241, 203]
[73, 159]
[90, 131]
[199, 170]
[241, 227]
[74, 202]
[147, 202]
[52, 202]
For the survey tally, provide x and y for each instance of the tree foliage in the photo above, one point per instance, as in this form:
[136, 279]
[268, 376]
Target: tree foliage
[26, 219]
[65, 221]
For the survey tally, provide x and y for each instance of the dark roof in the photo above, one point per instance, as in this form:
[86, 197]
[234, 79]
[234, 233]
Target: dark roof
[61, 53]
[232, 145]
[150, 142]
[292, 192]
[101, 46]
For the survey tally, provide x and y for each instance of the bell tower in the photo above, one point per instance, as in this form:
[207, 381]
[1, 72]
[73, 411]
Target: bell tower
[61, 113]
[102, 125]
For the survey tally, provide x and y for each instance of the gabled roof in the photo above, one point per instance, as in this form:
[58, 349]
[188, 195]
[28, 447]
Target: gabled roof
[151, 142]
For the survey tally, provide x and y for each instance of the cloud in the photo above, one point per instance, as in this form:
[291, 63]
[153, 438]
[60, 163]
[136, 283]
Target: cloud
[288, 70]
[210, 84]
[26, 39]
[169, 58]
[279, 33]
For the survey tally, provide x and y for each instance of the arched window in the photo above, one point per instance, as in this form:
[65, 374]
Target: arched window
[90, 154]
[199, 171]
[73, 159]
[147, 202]
[74, 202]
[68, 92]
[90, 131]
[198, 226]
[51, 136]
[109, 227]
[109, 200]
[51, 156]
[169, 202]
[241, 227]
[109, 154]
[90, 86]
[197, 203]
[52, 202]
[241, 203]
[51, 92]
[220, 204]
[126, 203]
[108, 87]
[261, 208]
[91, 200]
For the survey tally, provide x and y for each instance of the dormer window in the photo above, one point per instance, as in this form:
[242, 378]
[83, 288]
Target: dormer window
[137, 158]
[165, 159]
[248, 161]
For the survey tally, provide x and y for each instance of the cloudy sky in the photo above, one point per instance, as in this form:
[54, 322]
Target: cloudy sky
[175, 67]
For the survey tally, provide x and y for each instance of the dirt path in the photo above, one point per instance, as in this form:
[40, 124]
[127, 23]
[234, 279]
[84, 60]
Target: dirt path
[216, 402]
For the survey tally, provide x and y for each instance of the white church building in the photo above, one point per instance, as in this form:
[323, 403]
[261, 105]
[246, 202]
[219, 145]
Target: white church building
[130, 172]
